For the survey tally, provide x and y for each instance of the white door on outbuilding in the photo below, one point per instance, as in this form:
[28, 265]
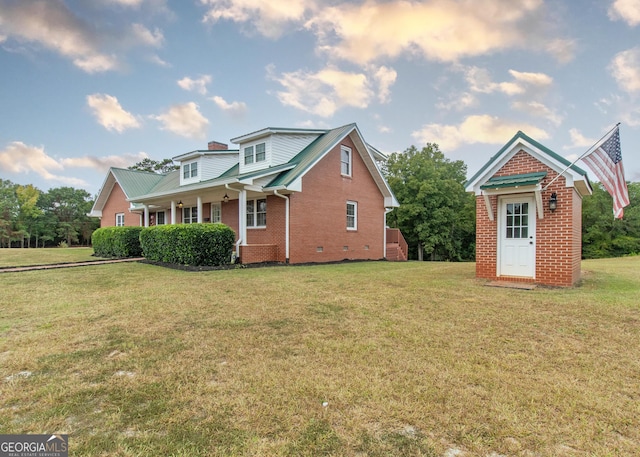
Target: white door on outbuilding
[516, 236]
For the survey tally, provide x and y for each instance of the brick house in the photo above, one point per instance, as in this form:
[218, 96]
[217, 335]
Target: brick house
[291, 195]
[526, 229]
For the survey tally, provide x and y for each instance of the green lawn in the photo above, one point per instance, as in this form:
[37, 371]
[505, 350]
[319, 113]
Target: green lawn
[359, 359]
[16, 257]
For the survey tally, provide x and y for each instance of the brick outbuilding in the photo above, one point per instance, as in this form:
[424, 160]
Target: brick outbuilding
[529, 215]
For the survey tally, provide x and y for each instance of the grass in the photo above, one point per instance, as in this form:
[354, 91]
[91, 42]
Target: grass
[360, 359]
[16, 257]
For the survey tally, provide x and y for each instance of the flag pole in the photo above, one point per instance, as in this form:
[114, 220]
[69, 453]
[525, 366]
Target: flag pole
[584, 154]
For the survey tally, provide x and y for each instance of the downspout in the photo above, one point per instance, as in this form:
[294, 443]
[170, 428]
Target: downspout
[384, 238]
[286, 224]
[239, 220]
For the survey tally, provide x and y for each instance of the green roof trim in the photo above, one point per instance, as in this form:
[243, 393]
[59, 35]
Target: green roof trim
[523, 136]
[526, 179]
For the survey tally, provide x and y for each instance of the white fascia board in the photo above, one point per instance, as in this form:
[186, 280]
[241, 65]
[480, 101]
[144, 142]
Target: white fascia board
[271, 131]
[570, 175]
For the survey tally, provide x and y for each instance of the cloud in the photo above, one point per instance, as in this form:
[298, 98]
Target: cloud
[235, 109]
[439, 30]
[458, 102]
[18, 157]
[52, 25]
[89, 44]
[578, 140]
[385, 77]
[625, 69]
[538, 109]
[324, 92]
[184, 120]
[199, 85]
[475, 129]
[269, 17]
[104, 163]
[128, 3]
[479, 80]
[109, 113]
[155, 59]
[330, 89]
[626, 10]
[143, 35]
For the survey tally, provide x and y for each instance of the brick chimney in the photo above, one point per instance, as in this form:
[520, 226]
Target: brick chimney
[215, 146]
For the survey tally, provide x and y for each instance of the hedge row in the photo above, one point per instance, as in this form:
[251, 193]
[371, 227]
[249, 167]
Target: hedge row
[188, 244]
[117, 242]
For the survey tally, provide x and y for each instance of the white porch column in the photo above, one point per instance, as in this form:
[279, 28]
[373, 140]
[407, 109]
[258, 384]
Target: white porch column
[173, 212]
[199, 209]
[242, 216]
[146, 215]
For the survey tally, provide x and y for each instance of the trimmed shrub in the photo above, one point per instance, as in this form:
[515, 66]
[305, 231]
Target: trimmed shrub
[117, 242]
[188, 244]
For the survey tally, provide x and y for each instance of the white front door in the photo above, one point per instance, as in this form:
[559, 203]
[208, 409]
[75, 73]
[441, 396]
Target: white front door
[516, 236]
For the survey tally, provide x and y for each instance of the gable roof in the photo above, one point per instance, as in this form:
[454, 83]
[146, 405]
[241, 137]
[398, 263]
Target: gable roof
[133, 183]
[574, 175]
[147, 187]
[320, 147]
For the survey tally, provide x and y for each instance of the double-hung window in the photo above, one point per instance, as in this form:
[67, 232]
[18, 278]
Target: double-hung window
[345, 161]
[257, 213]
[257, 153]
[160, 218]
[190, 215]
[190, 170]
[216, 212]
[248, 155]
[352, 215]
[119, 219]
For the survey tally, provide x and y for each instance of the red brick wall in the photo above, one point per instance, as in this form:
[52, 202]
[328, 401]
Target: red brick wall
[229, 213]
[486, 239]
[318, 213]
[558, 234]
[117, 203]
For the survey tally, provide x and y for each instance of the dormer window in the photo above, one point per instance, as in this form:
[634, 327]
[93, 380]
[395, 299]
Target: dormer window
[190, 170]
[255, 153]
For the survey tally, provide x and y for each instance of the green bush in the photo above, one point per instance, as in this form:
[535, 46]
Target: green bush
[188, 244]
[117, 242]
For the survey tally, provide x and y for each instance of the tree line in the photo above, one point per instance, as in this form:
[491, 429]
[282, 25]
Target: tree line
[30, 217]
[436, 215]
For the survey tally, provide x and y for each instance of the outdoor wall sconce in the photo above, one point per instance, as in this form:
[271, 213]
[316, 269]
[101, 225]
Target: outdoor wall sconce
[180, 204]
[553, 202]
[225, 198]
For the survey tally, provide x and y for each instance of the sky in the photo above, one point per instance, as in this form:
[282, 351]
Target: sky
[89, 85]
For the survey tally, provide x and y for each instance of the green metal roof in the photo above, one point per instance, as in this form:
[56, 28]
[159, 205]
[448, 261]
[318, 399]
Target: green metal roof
[135, 183]
[151, 186]
[527, 179]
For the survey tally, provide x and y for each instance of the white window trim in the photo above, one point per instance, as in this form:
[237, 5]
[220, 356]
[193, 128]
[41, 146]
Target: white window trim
[190, 166]
[213, 206]
[355, 215]
[254, 154]
[255, 214]
[191, 218]
[120, 216]
[349, 162]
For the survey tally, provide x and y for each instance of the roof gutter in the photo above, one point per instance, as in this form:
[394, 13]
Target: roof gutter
[286, 224]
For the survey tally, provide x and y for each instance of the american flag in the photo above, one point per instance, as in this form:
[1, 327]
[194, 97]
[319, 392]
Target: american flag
[606, 162]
